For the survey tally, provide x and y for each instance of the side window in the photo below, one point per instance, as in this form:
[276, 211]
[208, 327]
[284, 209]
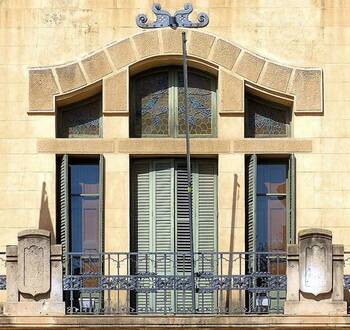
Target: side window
[80, 203]
[264, 119]
[157, 104]
[81, 119]
[270, 210]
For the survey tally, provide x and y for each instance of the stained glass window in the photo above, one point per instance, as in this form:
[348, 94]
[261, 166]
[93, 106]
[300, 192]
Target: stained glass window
[152, 105]
[266, 119]
[81, 119]
[199, 105]
[157, 104]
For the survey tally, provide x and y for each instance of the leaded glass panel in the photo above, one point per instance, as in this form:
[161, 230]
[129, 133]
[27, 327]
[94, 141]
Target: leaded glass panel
[199, 105]
[81, 119]
[157, 104]
[264, 119]
[152, 105]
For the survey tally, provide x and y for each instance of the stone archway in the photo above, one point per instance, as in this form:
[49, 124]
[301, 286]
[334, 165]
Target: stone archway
[236, 66]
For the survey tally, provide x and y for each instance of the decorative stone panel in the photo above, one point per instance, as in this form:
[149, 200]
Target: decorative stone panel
[115, 92]
[42, 88]
[172, 41]
[34, 276]
[275, 76]
[231, 93]
[200, 44]
[147, 44]
[304, 84]
[96, 66]
[225, 54]
[315, 275]
[307, 88]
[122, 53]
[250, 66]
[70, 77]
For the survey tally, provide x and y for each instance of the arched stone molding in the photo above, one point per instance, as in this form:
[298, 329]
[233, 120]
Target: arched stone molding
[235, 66]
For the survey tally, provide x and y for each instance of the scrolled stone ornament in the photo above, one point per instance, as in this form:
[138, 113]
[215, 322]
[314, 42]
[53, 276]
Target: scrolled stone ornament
[164, 18]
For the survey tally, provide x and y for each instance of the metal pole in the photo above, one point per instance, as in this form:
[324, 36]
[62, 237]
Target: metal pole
[188, 160]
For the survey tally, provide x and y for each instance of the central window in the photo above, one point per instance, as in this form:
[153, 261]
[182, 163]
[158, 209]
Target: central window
[157, 104]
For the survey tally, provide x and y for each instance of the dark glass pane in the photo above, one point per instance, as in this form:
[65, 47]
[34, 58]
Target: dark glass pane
[152, 105]
[271, 224]
[272, 178]
[84, 178]
[84, 224]
[264, 119]
[80, 119]
[199, 104]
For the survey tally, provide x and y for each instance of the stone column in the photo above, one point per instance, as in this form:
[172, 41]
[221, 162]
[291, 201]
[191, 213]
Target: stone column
[34, 276]
[315, 281]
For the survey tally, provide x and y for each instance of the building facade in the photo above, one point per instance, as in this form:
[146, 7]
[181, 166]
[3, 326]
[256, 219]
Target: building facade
[93, 151]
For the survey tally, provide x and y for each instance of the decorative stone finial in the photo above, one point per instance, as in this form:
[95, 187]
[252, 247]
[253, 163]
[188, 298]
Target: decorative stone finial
[164, 18]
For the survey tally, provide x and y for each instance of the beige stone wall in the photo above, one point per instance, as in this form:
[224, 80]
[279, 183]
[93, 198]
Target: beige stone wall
[297, 33]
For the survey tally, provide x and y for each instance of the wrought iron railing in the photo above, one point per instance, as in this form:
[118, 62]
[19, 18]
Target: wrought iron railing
[160, 283]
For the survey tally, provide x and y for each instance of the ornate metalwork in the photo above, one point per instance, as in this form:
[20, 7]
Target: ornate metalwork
[164, 18]
[2, 282]
[155, 283]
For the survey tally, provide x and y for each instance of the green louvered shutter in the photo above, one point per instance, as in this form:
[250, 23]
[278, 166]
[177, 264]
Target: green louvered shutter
[251, 208]
[101, 202]
[141, 226]
[64, 208]
[205, 223]
[163, 224]
[292, 200]
[251, 221]
[183, 244]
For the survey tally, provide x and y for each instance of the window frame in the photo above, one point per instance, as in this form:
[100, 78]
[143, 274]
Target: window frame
[273, 105]
[173, 86]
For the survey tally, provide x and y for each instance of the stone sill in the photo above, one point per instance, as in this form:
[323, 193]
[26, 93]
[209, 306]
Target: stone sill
[161, 322]
[173, 146]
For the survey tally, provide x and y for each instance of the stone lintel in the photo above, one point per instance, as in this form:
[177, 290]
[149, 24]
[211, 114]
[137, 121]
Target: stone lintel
[283, 145]
[75, 146]
[166, 146]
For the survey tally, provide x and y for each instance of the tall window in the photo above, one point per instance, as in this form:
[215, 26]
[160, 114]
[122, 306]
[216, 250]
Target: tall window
[157, 99]
[160, 224]
[80, 204]
[266, 119]
[270, 224]
[82, 119]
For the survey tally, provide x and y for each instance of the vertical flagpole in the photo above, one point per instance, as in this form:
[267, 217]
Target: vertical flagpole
[188, 161]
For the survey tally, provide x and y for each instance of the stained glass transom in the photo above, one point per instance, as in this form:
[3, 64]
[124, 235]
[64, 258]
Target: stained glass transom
[265, 119]
[157, 104]
[152, 105]
[81, 119]
[199, 105]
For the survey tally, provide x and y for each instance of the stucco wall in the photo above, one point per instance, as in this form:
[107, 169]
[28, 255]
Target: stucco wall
[303, 33]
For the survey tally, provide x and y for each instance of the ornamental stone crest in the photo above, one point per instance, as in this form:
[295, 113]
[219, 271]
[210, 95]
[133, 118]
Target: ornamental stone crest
[316, 263]
[33, 262]
[165, 19]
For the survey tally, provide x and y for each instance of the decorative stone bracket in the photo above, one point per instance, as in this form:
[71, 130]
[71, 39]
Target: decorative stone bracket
[235, 65]
[34, 275]
[315, 275]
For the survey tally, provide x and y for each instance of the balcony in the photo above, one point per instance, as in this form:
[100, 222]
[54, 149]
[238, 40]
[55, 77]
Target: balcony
[161, 283]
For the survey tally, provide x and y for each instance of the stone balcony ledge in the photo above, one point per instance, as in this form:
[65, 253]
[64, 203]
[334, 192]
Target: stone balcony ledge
[236, 322]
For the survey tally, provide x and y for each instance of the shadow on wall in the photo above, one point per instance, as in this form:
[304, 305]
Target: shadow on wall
[235, 186]
[45, 220]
